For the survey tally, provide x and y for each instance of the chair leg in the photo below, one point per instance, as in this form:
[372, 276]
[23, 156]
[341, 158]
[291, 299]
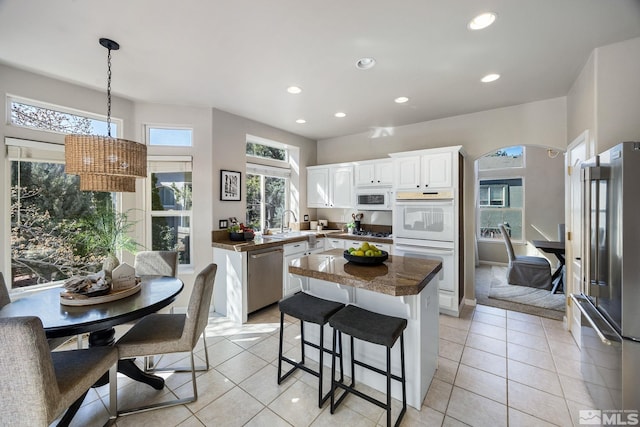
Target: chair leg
[113, 393]
[206, 351]
[172, 402]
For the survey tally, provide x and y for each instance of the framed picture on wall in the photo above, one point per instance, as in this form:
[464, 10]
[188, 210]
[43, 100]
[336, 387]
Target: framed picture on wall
[229, 185]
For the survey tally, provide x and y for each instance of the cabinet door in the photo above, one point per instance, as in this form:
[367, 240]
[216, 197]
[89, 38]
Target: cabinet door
[407, 172]
[384, 172]
[318, 187]
[292, 283]
[334, 243]
[437, 171]
[341, 182]
[365, 174]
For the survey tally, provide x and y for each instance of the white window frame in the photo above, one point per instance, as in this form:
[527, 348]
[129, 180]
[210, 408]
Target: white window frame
[18, 149]
[479, 208]
[67, 110]
[163, 164]
[254, 169]
[149, 126]
[284, 164]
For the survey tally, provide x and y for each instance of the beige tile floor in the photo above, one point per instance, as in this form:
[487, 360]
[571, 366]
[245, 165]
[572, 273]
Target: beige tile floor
[496, 368]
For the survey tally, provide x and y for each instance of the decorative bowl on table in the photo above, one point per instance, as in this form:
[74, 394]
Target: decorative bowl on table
[366, 260]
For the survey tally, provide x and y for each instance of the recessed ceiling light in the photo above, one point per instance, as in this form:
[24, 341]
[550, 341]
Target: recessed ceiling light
[340, 114]
[365, 63]
[482, 21]
[301, 121]
[401, 99]
[490, 78]
[294, 90]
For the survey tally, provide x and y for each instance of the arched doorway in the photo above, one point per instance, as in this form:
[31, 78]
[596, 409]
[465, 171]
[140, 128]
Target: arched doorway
[523, 187]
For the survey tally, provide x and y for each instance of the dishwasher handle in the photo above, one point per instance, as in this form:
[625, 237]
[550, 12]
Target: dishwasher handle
[264, 254]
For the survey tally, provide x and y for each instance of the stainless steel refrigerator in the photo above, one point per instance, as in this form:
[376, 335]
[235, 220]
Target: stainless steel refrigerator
[610, 297]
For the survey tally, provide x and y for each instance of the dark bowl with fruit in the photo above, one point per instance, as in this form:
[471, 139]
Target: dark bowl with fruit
[372, 259]
[236, 236]
[240, 233]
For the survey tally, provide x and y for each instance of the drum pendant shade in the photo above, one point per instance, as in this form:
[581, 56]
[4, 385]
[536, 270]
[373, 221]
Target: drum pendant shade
[105, 163]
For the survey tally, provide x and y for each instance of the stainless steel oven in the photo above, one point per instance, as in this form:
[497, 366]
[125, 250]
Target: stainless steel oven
[424, 216]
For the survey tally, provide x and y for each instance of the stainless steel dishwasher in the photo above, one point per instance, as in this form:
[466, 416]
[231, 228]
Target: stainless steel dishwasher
[264, 278]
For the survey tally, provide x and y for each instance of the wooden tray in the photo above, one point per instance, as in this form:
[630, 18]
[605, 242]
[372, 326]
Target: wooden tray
[70, 298]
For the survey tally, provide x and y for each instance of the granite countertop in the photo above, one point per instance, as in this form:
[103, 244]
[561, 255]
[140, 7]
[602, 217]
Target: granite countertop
[220, 239]
[347, 236]
[397, 276]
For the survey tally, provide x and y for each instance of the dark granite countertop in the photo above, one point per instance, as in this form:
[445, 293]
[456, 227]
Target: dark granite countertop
[397, 276]
[220, 239]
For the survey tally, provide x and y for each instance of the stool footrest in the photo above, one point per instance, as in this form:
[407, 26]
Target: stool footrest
[374, 369]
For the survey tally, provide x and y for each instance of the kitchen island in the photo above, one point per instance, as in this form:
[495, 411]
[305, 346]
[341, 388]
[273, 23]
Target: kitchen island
[401, 287]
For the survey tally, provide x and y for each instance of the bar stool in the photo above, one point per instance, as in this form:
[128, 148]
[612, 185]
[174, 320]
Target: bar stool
[308, 308]
[374, 328]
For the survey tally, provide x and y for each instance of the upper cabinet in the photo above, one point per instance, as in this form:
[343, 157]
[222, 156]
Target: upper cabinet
[374, 173]
[317, 186]
[330, 186]
[424, 169]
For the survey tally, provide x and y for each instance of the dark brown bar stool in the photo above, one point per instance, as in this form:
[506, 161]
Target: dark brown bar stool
[377, 329]
[308, 308]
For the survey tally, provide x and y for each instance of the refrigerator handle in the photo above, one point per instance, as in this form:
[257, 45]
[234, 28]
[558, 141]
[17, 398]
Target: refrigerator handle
[591, 177]
[578, 303]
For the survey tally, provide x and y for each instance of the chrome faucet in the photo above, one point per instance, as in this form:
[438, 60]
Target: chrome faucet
[283, 216]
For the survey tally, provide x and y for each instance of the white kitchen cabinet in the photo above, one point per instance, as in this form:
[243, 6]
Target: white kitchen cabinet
[330, 186]
[341, 187]
[374, 173]
[293, 283]
[432, 170]
[332, 243]
[436, 170]
[318, 187]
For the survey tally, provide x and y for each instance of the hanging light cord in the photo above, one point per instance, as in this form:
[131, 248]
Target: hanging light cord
[109, 93]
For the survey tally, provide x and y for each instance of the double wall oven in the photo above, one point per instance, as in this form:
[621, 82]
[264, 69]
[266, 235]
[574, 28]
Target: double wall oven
[424, 226]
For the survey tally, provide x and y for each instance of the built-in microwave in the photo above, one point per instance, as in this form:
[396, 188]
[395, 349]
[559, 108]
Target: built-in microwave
[374, 199]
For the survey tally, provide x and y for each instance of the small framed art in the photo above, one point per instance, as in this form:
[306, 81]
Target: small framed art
[229, 185]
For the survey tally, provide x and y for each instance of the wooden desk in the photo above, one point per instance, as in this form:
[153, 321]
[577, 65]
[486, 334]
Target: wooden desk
[558, 249]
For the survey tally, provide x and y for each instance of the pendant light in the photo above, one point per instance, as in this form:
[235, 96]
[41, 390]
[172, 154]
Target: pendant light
[105, 163]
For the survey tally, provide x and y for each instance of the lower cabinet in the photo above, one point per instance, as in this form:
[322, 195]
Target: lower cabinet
[293, 283]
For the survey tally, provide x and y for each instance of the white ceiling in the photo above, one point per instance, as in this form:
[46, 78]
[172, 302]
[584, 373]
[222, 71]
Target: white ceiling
[241, 55]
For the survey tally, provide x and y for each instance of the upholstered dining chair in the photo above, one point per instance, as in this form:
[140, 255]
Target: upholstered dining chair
[4, 292]
[156, 263]
[173, 333]
[531, 271]
[39, 385]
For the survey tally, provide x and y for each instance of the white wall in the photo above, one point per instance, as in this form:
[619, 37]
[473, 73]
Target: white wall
[618, 93]
[228, 153]
[541, 123]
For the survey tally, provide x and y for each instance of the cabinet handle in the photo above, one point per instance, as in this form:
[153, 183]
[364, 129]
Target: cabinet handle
[418, 186]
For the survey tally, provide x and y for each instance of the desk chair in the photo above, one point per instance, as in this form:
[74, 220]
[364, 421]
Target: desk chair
[39, 385]
[531, 271]
[4, 292]
[156, 263]
[172, 333]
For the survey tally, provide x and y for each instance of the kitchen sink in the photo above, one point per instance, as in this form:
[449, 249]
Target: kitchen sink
[288, 235]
